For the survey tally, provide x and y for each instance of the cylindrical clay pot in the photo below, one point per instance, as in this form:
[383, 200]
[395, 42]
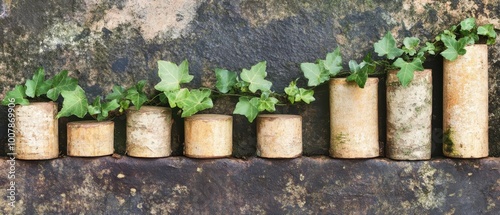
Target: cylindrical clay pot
[409, 117]
[149, 132]
[90, 138]
[279, 135]
[36, 131]
[353, 119]
[208, 136]
[465, 104]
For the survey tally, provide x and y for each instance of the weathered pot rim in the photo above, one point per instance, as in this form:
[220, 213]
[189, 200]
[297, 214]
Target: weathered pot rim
[392, 75]
[370, 80]
[208, 116]
[279, 116]
[89, 123]
[149, 108]
[38, 103]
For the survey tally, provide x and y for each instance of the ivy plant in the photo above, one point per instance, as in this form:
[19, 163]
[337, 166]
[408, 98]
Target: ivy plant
[76, 102]
[39, 88]
[466, 33]
[189, 101]
[254, 90]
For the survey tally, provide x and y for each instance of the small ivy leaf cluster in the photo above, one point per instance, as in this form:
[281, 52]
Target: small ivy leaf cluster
[360, 72]
[39, 88]
[466, 33]
[248, 85]
[189, 101]
[321, 71]
[297, 94]
[76, 103]
[410, 57]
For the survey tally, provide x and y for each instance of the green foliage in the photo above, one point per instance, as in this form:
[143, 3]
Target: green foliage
[18, 94]
[171, 75]
[101, 110]
[195, 101]
[247, 106]
[226, 80]
[320, 72]
[255, 77]
[39, 88]
[488, 31]
[405, 73]
[296, 94]
[453, 47]
[75, 103]
[387, 46]
[136, 94]
[360, 72]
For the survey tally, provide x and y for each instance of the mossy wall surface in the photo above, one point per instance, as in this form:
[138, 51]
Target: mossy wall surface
[104, 43]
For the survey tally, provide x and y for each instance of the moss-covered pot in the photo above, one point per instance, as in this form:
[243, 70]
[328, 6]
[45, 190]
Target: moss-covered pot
[36, 131]
[465, 104]
[208, 136]
[409, 117]
[149, 132]
[90, 138]
[279, 136]
[354, 119]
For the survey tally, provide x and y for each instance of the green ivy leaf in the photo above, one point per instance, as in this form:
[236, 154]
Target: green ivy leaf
[291, 91]
[357, 74]
[172, 75]
[247, 107]
[124, 105]
[314, 74]
[176, 97]
[489, 31]
[18, 94]
[75, 103]
[106, 108]
[95, 107]
[453, 47]
[468, 24]
[333, 62]
[61, 82]
[226, 80]
[405, 74]
[117, 93]
[410, 45]
[387, 46]
[267, 103]
[136, 96]
[255, 77]
[197, 100]
[37, 86]
[305, 95]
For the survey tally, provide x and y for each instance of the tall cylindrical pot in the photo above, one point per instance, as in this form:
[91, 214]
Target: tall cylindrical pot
[465, 104]
[208, 136]
[279, 136]
[90, 138]
[36, 131]
[354, 119]
[149, 132]
[409, 117]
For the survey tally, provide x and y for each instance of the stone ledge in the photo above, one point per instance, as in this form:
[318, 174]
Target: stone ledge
[307, 185]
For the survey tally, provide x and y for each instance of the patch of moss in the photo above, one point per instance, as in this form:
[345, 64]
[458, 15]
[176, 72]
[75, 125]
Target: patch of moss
[448, 142]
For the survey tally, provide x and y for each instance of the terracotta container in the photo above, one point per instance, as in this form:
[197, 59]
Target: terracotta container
[208, 136]
[149, 132]
[409, 117]
[90, 138]
[279, 136]
[36, 131]
[354, 119]
[465, 104]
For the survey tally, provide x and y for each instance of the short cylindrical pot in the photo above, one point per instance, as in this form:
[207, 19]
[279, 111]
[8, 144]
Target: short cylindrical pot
[208, 136]
[36, 131]
[279, 136]
[465, 104]
[353, 119]
[409, 117]
[90, 138]
[149, 132]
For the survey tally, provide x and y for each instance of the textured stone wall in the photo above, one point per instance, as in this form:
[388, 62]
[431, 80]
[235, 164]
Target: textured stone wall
[118, 42]
[310, 185]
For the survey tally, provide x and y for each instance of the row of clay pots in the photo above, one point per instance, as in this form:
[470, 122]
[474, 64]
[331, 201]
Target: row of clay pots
[353, 122]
